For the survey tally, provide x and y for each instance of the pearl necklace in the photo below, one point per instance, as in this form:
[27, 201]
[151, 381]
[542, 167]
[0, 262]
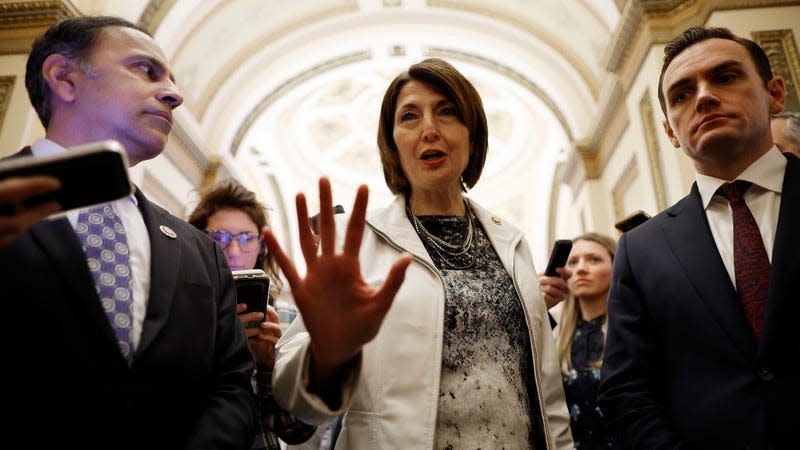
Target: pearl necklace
[449, 253]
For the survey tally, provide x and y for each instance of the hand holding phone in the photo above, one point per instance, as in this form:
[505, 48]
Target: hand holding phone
[252, 289]
[89, 175]
[558, 257]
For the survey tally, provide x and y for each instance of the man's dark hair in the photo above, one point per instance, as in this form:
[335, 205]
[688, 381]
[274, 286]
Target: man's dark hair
[72, 38]
[694, 35]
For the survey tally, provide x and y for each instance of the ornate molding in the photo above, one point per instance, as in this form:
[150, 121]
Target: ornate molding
[6, 87]
[509, 73]
[154, 13]
[653, 150]
[621, 187]
[783, 57]
[643, 24]
[658, 21]
[22, 22]
[35, 14]
[189, 158]
[286, 87]
[590, 147]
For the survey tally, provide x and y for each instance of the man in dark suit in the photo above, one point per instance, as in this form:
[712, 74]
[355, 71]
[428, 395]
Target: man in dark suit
[180, 376]
[701, 346]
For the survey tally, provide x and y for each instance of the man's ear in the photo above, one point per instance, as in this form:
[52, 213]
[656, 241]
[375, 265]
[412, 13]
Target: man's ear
[59, 74]
[777, 94]
[671, 134]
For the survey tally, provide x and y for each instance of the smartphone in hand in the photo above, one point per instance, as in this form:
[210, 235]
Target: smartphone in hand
[90, 174]
[558, 256]
[252, 289]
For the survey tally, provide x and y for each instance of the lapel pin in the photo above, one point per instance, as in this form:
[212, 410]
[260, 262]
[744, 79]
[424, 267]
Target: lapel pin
[496, 220]
[168, 231]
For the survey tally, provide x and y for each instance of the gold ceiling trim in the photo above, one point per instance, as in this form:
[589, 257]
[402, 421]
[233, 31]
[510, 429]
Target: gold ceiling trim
[660, 20]
[36, 14]
[22, 22]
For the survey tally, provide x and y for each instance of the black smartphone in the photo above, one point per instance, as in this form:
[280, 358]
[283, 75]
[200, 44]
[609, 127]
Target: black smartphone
[632, 221]
[252, 289]
[558, 256]
[90, 174]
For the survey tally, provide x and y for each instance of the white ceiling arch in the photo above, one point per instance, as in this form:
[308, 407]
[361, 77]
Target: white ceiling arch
[287, 91]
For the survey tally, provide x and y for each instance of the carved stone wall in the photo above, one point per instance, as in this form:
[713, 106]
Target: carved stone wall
[782, 52]
[653, 151]
[22, 22]
[6, 86]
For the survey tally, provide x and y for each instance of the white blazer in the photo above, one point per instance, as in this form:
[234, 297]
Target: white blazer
[391, 392]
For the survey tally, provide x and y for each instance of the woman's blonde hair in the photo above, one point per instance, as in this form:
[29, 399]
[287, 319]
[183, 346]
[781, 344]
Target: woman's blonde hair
[570, 312]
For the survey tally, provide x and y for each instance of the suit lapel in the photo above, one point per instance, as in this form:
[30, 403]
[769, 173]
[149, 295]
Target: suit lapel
[57, 239]
[690, 239]
[165, 254]
[785, 266]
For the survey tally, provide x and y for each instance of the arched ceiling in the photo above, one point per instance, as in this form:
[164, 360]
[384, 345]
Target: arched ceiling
[286, 91]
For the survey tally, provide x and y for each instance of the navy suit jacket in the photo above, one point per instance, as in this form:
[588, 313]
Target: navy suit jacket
[189, 384]
[682, 368]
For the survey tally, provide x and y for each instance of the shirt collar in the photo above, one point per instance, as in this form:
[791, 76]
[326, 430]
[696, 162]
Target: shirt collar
[767, 173]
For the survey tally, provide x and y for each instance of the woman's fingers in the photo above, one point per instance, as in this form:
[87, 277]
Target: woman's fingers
[355, 226]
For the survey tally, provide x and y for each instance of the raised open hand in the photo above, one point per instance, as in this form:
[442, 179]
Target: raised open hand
[340, 310]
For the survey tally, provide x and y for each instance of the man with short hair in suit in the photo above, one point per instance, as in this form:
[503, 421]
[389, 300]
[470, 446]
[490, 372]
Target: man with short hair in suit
[180, 376]
[702, 348]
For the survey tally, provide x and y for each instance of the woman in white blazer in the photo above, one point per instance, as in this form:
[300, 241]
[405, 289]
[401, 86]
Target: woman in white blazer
[423, 323]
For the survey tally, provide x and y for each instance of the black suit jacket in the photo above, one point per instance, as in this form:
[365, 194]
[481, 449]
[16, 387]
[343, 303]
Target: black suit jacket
[189, 385]
[682, 368]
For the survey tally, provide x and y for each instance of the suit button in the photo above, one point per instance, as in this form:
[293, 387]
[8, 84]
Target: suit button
[765, 374]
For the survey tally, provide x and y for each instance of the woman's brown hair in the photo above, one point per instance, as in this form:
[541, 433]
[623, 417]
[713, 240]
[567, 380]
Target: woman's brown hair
[443, 77]
[229, 194]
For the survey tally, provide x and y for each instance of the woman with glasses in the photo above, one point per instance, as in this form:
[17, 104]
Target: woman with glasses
[233, 218]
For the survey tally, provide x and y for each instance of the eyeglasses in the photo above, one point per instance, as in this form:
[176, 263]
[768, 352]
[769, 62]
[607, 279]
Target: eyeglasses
[248, 241]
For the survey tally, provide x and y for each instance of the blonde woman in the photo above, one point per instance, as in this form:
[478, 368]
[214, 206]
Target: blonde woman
[581, 336]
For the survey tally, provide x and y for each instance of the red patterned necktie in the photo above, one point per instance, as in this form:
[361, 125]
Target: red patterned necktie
[750, 259]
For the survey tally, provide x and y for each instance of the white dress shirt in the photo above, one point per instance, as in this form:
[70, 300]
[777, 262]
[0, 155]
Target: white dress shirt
[763, 198]
[138, 242]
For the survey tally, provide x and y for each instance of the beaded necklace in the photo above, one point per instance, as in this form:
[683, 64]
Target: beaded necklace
[449, 253]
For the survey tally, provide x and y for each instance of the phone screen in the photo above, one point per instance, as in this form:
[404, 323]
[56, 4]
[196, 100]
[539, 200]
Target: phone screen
[252, 289]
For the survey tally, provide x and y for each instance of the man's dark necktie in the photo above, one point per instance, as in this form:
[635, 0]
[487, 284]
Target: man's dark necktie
[750, 260]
